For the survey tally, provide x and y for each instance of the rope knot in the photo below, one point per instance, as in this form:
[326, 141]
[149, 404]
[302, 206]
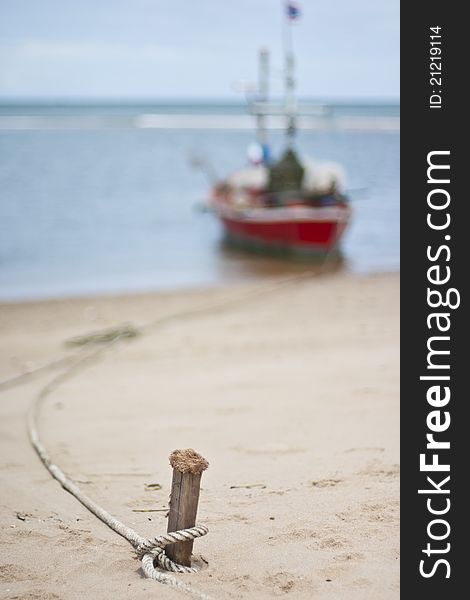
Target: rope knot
[152, 551]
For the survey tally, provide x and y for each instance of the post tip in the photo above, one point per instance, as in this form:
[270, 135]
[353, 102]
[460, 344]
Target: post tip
[188, 461]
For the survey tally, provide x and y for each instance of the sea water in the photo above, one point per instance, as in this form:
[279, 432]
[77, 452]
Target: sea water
[100, 198]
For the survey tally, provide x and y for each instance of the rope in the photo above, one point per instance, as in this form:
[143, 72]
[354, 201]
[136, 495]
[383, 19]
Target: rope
[31, 373]
[150, 551]
[105, 338]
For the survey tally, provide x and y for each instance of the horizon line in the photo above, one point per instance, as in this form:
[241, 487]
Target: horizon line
[145, 100]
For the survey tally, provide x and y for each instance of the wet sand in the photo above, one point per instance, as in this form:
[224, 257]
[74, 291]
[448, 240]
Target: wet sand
[289, 389]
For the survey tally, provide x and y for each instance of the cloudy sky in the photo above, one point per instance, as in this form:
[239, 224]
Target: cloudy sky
[345, 49]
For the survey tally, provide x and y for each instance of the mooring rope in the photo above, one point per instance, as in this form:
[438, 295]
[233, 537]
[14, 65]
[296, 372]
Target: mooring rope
[150, 551]
[109, 336]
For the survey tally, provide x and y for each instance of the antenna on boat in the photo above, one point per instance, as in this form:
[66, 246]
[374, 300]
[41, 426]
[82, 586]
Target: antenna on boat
[291, 14]
[263, 94]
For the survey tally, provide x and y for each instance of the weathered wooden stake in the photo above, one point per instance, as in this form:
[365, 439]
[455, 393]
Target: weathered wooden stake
[188, 466]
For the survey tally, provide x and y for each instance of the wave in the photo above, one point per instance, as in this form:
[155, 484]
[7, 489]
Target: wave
[229, 122]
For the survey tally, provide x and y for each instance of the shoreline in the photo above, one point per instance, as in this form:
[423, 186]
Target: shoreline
[196, 287]
[289, 388]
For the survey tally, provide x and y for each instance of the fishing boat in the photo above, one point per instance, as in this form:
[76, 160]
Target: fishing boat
[290, 205]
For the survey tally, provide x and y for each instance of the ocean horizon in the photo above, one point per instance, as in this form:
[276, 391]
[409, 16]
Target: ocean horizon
[184, 114]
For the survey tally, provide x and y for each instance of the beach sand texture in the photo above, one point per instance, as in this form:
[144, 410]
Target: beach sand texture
[290, 390]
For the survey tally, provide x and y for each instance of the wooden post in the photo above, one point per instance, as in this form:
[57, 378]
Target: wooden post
[188, 466]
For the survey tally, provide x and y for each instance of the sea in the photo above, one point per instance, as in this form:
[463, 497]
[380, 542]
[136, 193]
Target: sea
[105, 198]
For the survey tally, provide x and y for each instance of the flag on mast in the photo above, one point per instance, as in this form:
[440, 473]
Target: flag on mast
[292, 10]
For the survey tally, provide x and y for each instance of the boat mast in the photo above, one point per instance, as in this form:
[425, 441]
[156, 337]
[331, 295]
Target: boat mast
[290, 101]
[263, 91]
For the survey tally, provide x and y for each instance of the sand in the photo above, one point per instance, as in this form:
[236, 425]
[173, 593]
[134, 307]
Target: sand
[290, 390]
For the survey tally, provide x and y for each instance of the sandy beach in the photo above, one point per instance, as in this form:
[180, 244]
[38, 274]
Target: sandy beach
[289, 388]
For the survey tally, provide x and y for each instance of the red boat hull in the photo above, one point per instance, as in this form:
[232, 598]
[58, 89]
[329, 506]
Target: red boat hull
[295, 229]
[316, 237]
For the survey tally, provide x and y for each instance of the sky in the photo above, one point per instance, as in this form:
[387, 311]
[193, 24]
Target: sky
[190, 49]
